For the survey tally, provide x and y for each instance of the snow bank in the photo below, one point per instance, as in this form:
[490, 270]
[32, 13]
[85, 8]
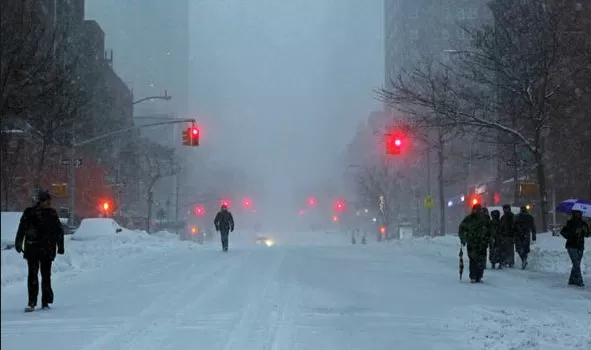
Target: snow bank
[524, 329]
[547, 254]
[9, 225]
[84, 254]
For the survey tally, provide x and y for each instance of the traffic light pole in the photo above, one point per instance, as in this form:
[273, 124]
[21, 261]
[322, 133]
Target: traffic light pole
[75, 145]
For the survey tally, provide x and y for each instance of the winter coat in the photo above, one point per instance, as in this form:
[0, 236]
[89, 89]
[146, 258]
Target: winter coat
[507, 227]
[525, 231]
[575, 232]
[41, 232]
[496, 247]
[474, 231]
[224, 221]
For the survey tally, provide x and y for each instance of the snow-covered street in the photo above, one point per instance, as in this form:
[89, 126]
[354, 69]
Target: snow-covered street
[330, 295]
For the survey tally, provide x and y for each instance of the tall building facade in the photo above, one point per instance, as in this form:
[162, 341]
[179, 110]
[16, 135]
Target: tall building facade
[416, 29]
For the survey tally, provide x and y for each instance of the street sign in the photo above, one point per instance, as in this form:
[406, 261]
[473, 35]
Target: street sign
[428, 203]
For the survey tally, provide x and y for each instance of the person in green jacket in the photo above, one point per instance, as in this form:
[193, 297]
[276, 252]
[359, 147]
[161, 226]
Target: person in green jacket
[475, 235]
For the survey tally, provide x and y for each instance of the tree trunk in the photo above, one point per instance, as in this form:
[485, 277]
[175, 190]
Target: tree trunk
[441, 184]
[40, 166]
[541, 174]
[149, 216]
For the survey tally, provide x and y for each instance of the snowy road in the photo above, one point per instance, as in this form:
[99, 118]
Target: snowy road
[379, 296]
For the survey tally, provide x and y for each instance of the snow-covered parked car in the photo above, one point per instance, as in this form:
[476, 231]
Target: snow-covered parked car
[95, 228]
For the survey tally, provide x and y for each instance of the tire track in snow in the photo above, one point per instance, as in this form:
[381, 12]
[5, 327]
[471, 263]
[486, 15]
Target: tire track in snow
[197, 294]
[260, 319]
[151, 318]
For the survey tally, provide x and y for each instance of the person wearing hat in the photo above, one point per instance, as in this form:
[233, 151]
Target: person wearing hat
[575, 232]
[525, 233]
[224, 223]
[39, 236]
[475, 235]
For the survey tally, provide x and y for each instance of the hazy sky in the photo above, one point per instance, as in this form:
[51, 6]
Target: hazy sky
[280, 85]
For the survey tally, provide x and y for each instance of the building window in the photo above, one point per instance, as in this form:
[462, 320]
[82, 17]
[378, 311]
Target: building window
[446, 13]
[461, 14]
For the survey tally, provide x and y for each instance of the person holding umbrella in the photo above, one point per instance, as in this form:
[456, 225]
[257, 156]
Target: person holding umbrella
[575, 232]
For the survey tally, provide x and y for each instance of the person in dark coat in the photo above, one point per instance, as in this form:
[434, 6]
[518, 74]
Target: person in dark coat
[507, 234]
[39, 235]
[224, 223]
[495, 252]
[486, 217]
[474, 235]
[525, 233]
[575, 232]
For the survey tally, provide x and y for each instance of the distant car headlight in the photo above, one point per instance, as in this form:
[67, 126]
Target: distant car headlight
[269, 243]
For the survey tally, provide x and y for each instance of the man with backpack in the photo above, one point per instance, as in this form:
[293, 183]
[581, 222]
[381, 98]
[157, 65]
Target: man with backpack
[39, 236]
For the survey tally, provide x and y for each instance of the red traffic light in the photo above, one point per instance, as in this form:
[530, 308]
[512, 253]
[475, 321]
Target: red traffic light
[106, 206]
[199, 210]
[395, 142]
[335, 218]
[496, 198]
[339, 205]
[225, 203]
[194, 131]
[246, 203]
[311, 201]
[474, 199]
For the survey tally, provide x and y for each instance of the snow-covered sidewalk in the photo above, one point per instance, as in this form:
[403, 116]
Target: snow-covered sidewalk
[84, 255]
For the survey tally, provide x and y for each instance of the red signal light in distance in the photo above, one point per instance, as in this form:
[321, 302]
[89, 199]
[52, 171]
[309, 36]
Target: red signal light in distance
[339, 205]
[247, 203]
[106, 206]
[225, 202]
[311, 201]
[199, 210]
[194, 131]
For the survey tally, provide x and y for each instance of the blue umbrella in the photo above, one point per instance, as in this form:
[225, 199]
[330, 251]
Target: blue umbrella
[575, 204]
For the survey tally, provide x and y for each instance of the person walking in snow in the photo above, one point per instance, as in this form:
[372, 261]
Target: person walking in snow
[224, 223]
[495, 251]
[507, 234]
[575, 232]
[39, 235]
[486, 217]
[525, 233]
[474, 234]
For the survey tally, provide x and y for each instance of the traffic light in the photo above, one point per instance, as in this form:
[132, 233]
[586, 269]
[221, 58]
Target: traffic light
[246, 203]
[191, 136]
[186, 137]
[335, 219]
[339, 205]
[474, 199]
[395, 142]
[496, 198]
[311, 201]
[225, 202]
[199, 210]
[106, 206]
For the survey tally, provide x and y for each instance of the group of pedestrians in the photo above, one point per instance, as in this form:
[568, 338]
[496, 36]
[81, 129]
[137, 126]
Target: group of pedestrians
[500, 237]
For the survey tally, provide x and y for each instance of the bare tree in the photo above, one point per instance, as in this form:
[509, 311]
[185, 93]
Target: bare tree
[157, 162]
[512, 82]
[379, 187]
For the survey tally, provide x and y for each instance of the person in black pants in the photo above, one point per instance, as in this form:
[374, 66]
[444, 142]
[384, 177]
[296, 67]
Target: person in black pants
[575, 231]
[39, 235]
[224, 223]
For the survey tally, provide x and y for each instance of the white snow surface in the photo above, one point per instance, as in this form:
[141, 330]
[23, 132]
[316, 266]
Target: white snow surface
[312, 290]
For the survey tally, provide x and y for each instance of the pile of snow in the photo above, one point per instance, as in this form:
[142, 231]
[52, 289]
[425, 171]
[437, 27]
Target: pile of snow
[522, 328]
[549, 255]
[87, 250]
[9, 225]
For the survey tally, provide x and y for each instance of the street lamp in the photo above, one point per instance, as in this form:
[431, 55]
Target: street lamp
[164, 97]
